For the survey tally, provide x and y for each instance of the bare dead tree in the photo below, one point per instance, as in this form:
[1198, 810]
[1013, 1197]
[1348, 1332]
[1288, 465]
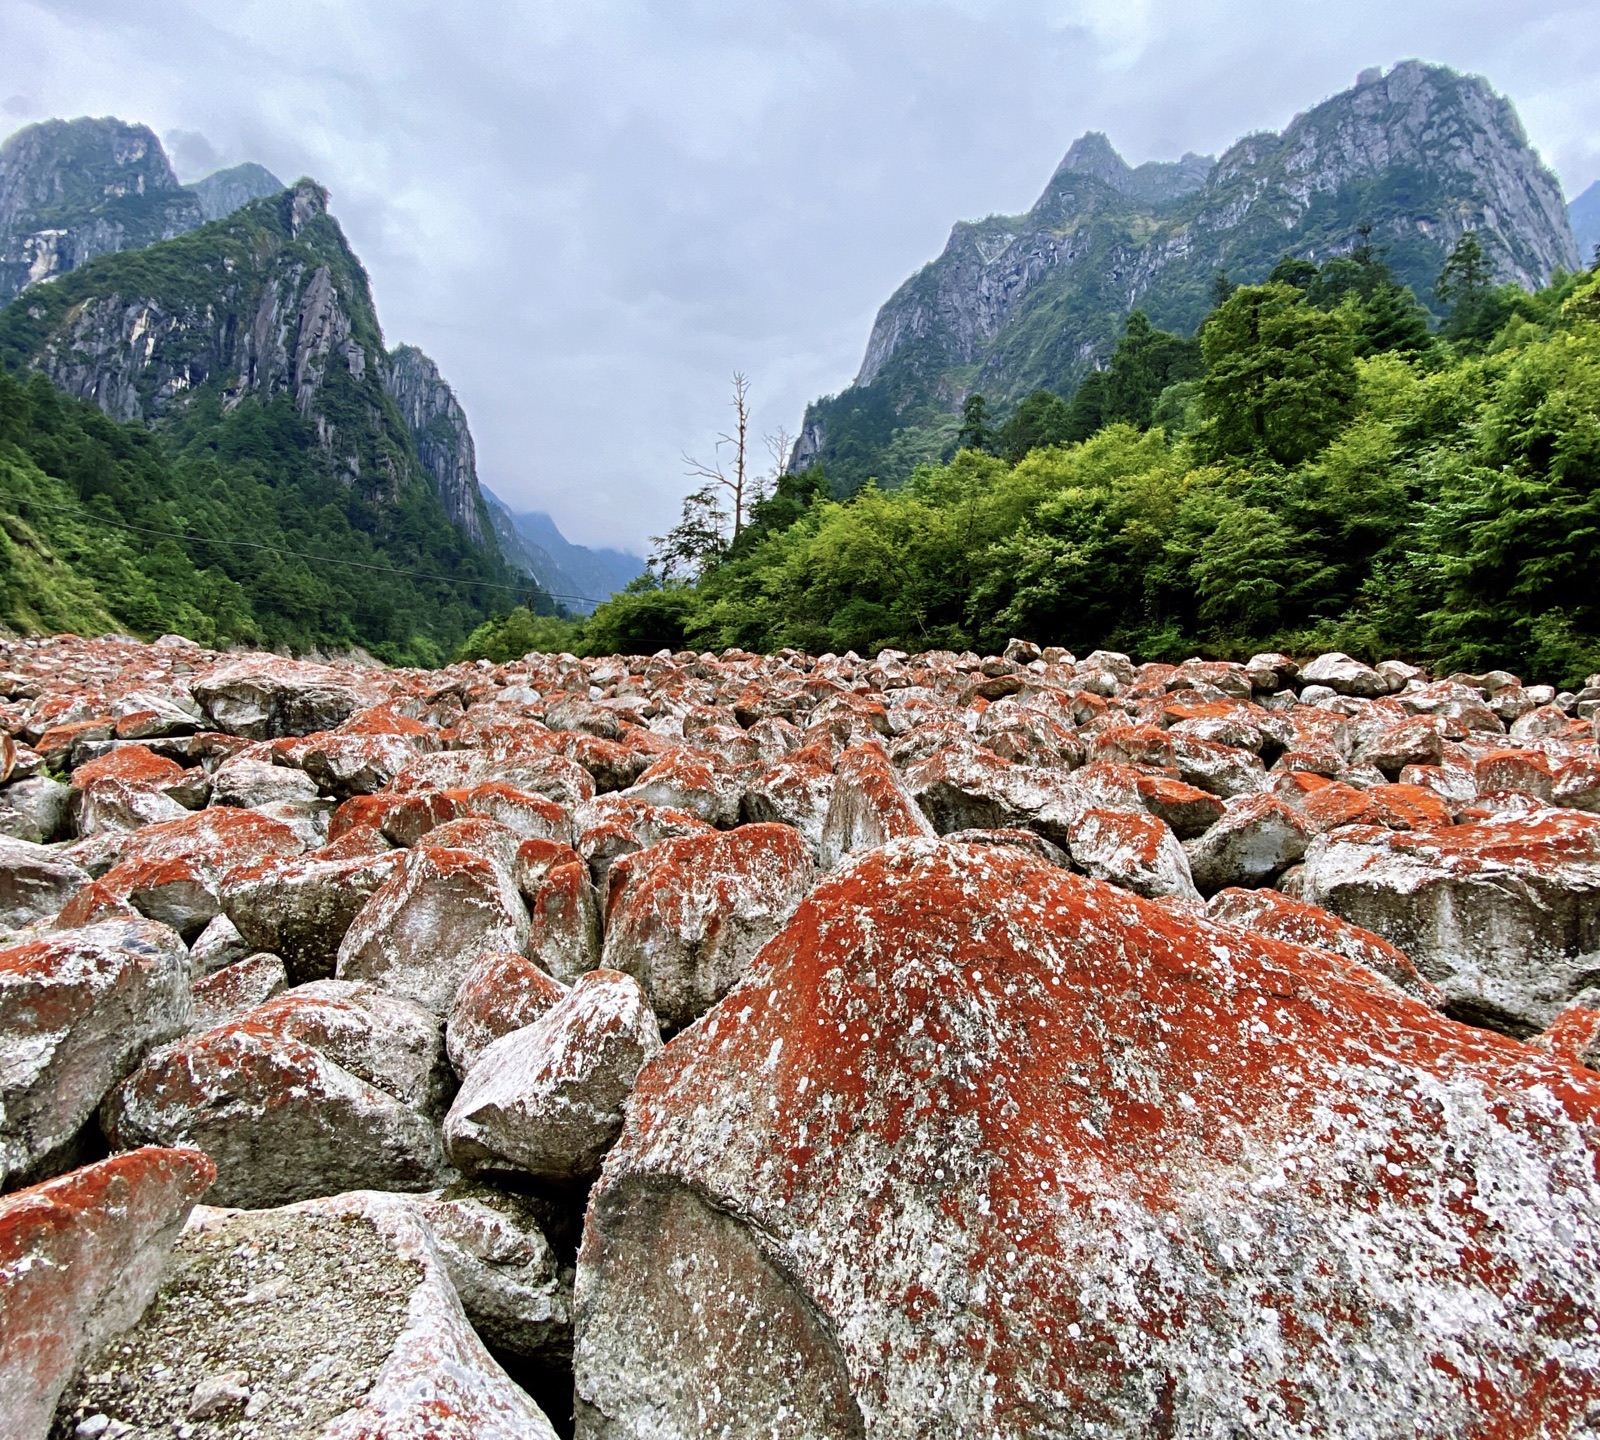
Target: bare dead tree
[733, 475]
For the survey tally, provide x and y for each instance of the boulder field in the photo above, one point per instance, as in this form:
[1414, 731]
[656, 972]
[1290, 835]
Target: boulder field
[800, 1047]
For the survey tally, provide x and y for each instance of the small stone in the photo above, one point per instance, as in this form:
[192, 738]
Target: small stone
[219, 1394]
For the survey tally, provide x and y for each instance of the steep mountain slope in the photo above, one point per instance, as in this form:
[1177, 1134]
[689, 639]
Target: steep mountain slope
[253, 347]
[1015, 303]
[222, 193]
[1584, 212]
[439, 430]
[71, 190]
[270, 303]
[74, 189]
[576, 575]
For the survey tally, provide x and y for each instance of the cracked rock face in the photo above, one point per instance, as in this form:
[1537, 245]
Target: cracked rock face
[929, 1172]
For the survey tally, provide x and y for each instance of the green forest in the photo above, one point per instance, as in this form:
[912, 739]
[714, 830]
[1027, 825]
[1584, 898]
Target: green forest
[1321, 467]
[228, 529]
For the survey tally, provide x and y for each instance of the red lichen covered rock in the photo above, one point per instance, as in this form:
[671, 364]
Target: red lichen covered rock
[1575, 1033]
[430, 919]
[173, 872]
[612, 826]
[1189, 810]
[78, 1010]
[982, 1148]
[1504, 917]
[299, 908]
[1134, 850]
[327, 1087]
[502, 992]
[1277, 916]
[1517, 772]
[547, 1099]
[236, 989]
[796, 790]
[686, 917]
[694, 781]
[563, 908]
[870, 806]
[80, 1257]
[125, 789]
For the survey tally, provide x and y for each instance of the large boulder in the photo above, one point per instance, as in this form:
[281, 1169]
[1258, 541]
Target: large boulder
[983, 1148]
[333, 1319]
[78, 1010]
[1135, 850]
[262, 696]
[300, 907]
[502, 992]
[35, 882]
[1504, 917]
[868, 806]
[327, 1087]
[686, 917]
[429, 921]
[547, 1099]
[516, 1292]
[1256, 839]
[1280, 917]
[80, 1257]
[173, 872]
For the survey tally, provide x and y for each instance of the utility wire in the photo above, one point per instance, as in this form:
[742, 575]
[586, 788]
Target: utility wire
[82, 512]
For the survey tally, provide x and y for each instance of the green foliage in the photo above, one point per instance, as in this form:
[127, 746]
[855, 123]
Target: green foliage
[104, 525]
[646, 617]
[975, 433]
[1441, 503]
[1280, 376]
[510, 637]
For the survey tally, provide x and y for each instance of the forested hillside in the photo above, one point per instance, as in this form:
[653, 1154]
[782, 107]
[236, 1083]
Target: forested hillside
[101, 526]
[1334, 475]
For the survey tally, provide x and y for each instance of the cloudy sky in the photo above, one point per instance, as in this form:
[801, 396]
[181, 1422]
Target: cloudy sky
[591, 212]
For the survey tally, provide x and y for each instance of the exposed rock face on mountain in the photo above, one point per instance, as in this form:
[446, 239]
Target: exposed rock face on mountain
[917, 1109]
[74, 189]
[222, 193]
[268, 305]
[1018, 303]
[1584, 213]
[438, 425]
[576, 575]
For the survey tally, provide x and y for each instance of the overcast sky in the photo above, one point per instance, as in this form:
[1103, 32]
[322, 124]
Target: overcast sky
[590, 213]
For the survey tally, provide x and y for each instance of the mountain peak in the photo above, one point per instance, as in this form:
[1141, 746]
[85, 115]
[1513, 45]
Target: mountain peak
[224, 191]
[307, 201]
[1092, 153]
[1416, 156]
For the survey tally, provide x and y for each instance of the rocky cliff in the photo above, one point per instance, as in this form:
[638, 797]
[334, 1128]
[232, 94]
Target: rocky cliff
[1015, 303]
[1584, 212]
[222, 193]
[74, 189]
[439, 429]
[269, 304]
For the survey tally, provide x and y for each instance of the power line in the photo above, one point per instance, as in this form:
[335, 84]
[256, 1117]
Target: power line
[82, 512]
